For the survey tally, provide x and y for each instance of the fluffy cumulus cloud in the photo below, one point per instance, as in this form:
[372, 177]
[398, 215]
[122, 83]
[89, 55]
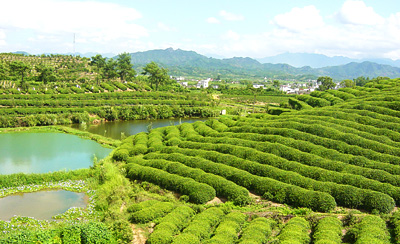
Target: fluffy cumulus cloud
[360, 33]
[357, 13]
[91, 21]
[299, 19]
[230, 16]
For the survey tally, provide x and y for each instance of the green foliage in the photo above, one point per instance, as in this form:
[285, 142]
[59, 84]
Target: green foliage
[171, 225]
[223, 187]
[71, 234]
[197, 192]
[157, 76]
[326, 83]
[257, 232]
[95, 233]
[295, 231]
[227, 231]
[201, 226]
[371, 229]
[328, 230]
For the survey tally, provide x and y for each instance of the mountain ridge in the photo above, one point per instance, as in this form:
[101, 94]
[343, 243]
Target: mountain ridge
[319, 60]
[181, 62]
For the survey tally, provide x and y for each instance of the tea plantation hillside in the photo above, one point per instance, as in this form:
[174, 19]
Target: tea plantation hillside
[325, 170]
[339, 151]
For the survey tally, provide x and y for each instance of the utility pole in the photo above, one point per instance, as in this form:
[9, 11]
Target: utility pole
[74, 46]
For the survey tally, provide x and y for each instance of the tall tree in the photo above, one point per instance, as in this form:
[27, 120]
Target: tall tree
[326, 83]
[110, 69]
[98, 61]
[361, 81]
[20, 68]
[347, 83]
[46, 73]
[3, 71]
[124, 67]
[157, 76]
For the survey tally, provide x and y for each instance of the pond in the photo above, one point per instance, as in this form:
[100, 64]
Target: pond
[45, 152]
[41, 205]
[116, 128]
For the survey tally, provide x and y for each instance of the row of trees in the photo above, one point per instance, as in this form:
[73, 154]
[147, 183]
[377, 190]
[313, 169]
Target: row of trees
[106, 69]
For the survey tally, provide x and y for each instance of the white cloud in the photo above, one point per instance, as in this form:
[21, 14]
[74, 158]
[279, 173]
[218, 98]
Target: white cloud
[230, 16]
[213, 20]
[357, 13]
[231, 35]
[89, 19]
[299, 19]
[164, 27]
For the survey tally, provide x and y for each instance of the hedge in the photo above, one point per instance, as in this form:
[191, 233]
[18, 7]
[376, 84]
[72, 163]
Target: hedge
[267, 187]
[295, 231]
[328, 230]
[371, 229]
[345, 195]
[224, 188]
[170, 225]
[257, 232]
[202, 226]
[198, 192]
[151, 213]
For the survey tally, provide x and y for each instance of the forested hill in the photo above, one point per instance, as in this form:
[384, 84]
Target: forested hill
[189, 63]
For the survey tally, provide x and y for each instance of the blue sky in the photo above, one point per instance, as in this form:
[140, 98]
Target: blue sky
[221, 28]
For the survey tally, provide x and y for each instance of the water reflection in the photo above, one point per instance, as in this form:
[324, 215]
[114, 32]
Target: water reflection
[127, 128]
[41, 205]
[44, 152]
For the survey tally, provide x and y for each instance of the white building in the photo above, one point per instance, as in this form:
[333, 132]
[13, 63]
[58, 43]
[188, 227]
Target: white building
[203, 83]
[258, 86]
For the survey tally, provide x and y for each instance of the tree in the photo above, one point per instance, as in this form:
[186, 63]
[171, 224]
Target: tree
[110, 69]
[20, 68]
[326, 83]
[124, 67]
[46, 73]
[3, 71]
[157, 75]
[276, 84]
[347, 83]
[361, 81]
[98, 61]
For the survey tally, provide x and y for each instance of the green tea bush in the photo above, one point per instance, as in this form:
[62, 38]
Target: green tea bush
[227, 231]
[281, 192]
[202, 225]
[171, 225]
[371, 229]
[295, 231]
[257, 232]
[223, 187]
[297, 104]
[197, 192]
[148, 214]
[328, 230]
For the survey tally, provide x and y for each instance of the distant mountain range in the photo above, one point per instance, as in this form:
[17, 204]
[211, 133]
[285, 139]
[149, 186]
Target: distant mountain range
[190, 63]
[320, 60]
[285, 66]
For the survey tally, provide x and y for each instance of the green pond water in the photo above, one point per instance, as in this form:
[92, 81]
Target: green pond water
[128, 128]
[41, 205]
[45, 152]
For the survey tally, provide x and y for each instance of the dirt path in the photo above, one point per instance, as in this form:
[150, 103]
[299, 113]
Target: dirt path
[138, 235]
